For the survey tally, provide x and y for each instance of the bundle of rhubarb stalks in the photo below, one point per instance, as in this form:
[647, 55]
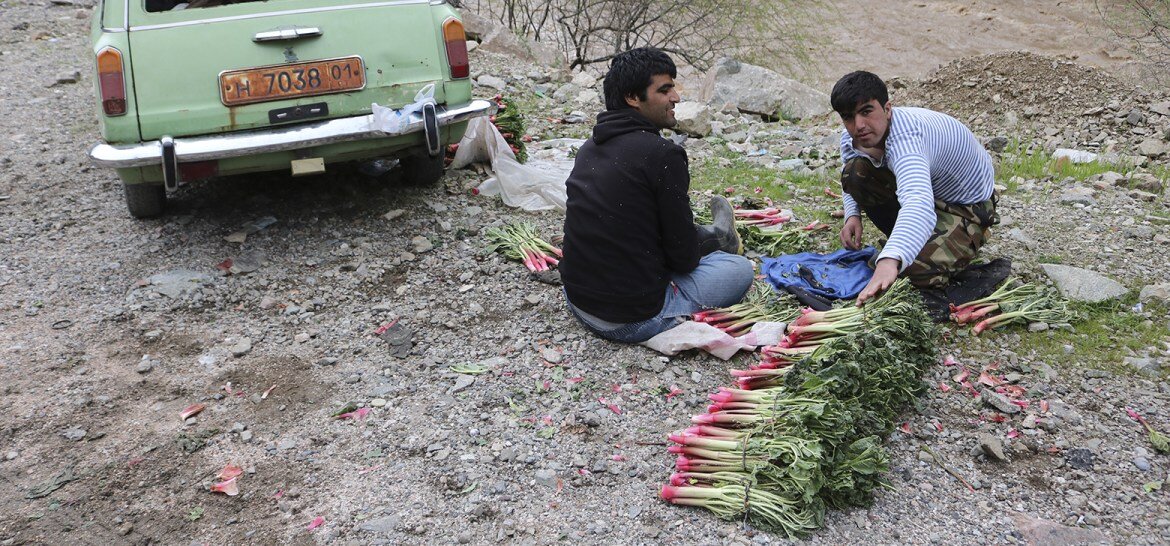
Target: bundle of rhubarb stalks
[801, 431]
[522, 242]
[760, 305]
[1015, 301]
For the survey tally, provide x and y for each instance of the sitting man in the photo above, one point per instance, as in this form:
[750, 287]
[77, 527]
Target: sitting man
[921, 177]
[635, 264]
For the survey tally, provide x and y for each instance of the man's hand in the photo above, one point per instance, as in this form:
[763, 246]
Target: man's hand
[883, 276]
[851, 233]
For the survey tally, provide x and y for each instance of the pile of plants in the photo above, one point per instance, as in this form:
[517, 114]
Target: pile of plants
[510, 122]
[804, 433]
[1015, 301]
[766, 230]
[521, 242]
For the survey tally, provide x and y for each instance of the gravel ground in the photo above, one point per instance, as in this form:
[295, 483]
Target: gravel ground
[109, 327]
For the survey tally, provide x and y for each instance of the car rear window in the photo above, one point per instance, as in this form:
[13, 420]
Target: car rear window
[154, 6]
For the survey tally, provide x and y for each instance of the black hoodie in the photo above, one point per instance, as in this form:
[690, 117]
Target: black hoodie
[628, 224]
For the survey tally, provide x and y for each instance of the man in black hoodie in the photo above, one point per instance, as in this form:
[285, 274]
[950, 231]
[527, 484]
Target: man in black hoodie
[635, 263]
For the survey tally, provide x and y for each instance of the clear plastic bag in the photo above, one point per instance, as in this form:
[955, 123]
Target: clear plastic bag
[391, 121]
[536, 185]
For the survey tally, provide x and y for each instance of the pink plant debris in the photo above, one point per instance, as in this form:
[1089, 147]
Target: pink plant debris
[905, 427]
[230, 471]
[1043, 406]
[996, 418]
[1013, 433]
[618, 457]
[191, 411]
[612, 407]
[674, 391]
[989, 380]
[575, 380]
[1012, 391]
[279, 494]
[264, 396]
[317, 522]
[227, 487]
[356, 415]
[759, 189]
[583, 472]
[938, 426]
[382, 329]
[729, 190]
[227, 387]
[546, 385]
[950, 361]
[944, 387]
[961, 376]
[615, 388]
[547, 419]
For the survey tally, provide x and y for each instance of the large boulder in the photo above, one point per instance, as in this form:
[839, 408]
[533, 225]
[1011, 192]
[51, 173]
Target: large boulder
[494, 37]
[757, 90]
[1079, 284]
[694, 118]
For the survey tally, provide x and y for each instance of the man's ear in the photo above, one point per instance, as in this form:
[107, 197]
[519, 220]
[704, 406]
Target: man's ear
[634, 101]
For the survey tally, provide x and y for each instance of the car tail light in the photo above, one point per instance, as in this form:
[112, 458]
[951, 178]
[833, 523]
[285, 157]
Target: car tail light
[456, 48]
[111, 82]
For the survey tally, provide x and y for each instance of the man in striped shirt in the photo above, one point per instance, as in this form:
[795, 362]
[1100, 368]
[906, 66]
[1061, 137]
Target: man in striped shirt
[920, 176]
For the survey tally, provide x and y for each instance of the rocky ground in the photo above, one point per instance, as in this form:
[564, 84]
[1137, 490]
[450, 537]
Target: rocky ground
[110, 327]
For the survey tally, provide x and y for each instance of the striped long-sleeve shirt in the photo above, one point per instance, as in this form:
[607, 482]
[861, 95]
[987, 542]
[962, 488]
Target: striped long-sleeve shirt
[932, 156]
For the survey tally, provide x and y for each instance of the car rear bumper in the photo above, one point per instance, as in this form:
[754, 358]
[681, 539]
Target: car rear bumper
[275, 139]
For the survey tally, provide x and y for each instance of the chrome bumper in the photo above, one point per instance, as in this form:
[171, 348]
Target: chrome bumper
[274, 139]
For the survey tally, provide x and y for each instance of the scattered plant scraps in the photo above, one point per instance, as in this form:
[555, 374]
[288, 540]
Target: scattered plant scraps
[802, 432]
[264, 395]
[195, 514]
[230, 471]
[520, 241]
[470, 369]
[191, 411]
[1159, 441]
[228, 487]
[356, 415]
[317, 522]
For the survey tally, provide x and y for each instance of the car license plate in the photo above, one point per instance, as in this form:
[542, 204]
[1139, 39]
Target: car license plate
[268, 83]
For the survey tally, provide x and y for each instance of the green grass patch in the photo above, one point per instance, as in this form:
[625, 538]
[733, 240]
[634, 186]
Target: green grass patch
[1036, 164]
[1105, 334]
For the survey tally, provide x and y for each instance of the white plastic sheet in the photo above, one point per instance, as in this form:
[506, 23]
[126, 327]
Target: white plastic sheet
[537, 185]
[700, 335]
[391, 121]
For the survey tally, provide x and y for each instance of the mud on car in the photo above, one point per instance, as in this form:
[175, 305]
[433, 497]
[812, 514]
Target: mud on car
[188, 91]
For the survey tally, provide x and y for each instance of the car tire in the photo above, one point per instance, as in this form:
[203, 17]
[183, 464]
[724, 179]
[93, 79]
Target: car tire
[145, 200]
[421, 170]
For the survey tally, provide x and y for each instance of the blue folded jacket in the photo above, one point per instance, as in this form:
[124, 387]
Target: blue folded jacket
[838, 275]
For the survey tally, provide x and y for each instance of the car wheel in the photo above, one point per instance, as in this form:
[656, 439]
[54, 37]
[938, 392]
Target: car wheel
[145, 200]
[422, 170]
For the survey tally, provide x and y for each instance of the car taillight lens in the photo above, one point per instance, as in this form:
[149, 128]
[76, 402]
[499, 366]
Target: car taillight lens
[456, 48]
[111, 82]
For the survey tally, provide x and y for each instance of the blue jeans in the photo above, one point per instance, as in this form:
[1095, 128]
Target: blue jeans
[721, 279]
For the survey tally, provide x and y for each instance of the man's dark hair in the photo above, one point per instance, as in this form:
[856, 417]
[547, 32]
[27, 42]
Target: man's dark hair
[855, 88]
[630, 74]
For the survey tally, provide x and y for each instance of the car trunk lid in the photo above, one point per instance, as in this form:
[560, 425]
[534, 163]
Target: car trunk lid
[248, 65]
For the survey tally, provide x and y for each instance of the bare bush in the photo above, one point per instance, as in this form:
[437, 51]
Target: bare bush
[698, 32]
[1144, 25]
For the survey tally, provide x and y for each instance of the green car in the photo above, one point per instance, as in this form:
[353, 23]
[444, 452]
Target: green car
[193, 90]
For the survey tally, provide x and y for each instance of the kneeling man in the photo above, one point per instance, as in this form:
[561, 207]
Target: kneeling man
[921, 177]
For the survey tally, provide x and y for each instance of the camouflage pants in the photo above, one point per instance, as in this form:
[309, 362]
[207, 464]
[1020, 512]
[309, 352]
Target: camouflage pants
[958, 234]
